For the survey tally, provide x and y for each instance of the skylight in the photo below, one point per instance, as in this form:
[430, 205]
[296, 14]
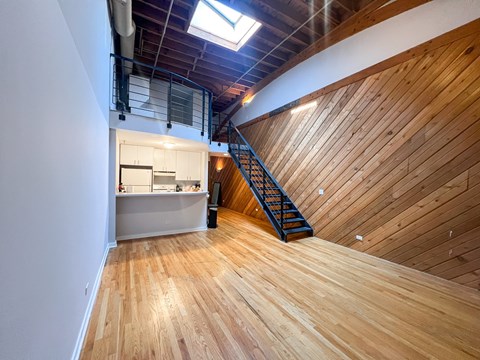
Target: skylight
[222, 25]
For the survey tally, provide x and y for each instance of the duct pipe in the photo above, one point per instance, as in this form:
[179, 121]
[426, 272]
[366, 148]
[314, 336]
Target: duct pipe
[122, 15]
[125, 27]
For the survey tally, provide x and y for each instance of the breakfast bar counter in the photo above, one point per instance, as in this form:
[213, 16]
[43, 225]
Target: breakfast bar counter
[181, 193]
[153, 214]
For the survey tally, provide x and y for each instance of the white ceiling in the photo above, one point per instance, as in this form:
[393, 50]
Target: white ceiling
[158, 141]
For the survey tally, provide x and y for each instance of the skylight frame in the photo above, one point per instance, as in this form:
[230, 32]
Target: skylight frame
[219, 12]
[209, 23]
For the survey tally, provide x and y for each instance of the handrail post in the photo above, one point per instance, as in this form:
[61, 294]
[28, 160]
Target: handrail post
[229, 131]
[281, 210]
[169, 110]
[263, 180]
[203, 113]
[122, 89]
[210, 116]
[250, 166]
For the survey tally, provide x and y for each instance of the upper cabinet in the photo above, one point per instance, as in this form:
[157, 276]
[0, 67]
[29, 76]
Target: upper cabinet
[189, 166]
[136, 155]
[164, 160]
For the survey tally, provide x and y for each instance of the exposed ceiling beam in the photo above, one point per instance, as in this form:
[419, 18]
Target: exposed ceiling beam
[175, 33]
[285, 10]
[266, 19]
[214, 58]
[375, 12]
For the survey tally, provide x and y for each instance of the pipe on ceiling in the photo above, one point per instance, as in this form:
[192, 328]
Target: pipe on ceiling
[125, 27]
[161, 39]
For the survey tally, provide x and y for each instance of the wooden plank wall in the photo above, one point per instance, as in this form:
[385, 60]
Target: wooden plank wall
[236, 195]
[398, 155]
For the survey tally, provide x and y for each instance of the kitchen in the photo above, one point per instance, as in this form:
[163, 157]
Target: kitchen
[160, 185]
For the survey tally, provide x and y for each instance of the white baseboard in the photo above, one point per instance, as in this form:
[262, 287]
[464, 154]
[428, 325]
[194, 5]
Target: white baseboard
[160, 233]
[91, 302]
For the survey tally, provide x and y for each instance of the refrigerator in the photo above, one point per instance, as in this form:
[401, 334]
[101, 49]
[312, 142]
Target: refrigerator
[136, 180]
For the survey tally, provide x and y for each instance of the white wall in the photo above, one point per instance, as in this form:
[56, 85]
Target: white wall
[53, 171]
[154, 126]
[361, 51]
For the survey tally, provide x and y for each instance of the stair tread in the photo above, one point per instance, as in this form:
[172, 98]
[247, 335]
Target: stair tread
[292, 220]
[273, 203]
[297, 230]
[289, 211]
[270, 193]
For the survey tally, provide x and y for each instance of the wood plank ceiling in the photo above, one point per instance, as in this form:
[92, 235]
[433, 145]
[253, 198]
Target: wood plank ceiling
[218, 68]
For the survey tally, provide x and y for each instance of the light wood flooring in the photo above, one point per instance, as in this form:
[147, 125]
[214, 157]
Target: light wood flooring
[237, 292]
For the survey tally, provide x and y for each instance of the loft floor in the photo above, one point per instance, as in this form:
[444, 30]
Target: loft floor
[237, 292]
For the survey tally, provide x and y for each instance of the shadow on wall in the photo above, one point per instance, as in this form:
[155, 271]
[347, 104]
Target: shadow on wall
[235, 193]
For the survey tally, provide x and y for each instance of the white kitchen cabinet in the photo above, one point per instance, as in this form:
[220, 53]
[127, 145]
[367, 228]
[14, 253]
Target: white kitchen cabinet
[164, 160]
[136, 155]
[195, 166]
[189, 166]
[128, 154]
[145, 155]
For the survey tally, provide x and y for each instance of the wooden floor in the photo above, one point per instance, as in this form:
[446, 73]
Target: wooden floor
[237, 292]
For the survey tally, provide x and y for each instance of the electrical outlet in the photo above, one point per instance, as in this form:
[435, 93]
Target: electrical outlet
[359, 237]
[321, 191]
[86, 289]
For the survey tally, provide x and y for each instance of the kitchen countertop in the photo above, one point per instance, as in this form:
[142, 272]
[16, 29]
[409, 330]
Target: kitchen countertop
[181, 193]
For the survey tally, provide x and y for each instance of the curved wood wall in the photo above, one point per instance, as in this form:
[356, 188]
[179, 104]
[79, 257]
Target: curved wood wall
[236, 195]
[398, 156]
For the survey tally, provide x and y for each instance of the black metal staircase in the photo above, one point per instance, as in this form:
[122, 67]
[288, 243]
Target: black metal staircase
[280, 210]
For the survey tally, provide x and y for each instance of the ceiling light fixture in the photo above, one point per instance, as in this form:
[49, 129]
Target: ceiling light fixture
[169, 145]
[304, 107]
[247, 100]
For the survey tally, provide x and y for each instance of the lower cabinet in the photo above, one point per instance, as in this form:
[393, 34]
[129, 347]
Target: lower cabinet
[189, 166]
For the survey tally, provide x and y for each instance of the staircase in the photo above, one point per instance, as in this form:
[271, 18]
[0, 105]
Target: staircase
[280, 210]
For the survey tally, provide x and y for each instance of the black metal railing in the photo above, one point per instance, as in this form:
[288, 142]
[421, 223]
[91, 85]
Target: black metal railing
[279, 208]
[166, 96]
[219, 131]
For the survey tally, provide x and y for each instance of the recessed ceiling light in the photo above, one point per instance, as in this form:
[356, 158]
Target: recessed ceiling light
[169, 145]
[226, 154]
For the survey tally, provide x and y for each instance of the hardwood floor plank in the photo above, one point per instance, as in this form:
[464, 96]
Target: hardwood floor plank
[236, 292]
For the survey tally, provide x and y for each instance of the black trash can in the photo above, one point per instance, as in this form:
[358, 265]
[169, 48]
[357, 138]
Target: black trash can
[212, 217]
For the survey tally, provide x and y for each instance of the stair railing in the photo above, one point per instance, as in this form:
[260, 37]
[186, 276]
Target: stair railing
[239, 146]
